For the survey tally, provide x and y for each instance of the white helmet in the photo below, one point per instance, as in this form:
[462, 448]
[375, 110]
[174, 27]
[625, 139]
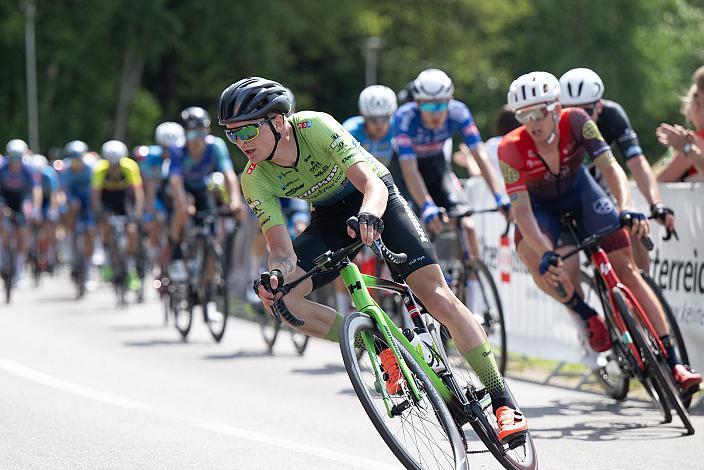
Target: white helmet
[39, 161]
[113, 151]
[16, 148]
[377, 101]
[169, 133]
[532, 88]
[580, 86]
[432, 84]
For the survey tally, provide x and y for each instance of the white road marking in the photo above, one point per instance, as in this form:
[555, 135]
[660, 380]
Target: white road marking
[358, 462]
[69, 387]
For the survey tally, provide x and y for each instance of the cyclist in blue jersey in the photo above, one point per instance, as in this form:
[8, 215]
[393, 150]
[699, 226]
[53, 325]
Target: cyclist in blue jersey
[421, 128]
[75, 178]
[188, 175]
[372, 128]
[154, 168]
[583, 88]
[21, 193]
[49, 208]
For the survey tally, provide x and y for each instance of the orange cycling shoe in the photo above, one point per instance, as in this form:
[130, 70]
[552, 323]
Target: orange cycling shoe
[599, 338]
[392, 373]
[512, 424]
[687, 380]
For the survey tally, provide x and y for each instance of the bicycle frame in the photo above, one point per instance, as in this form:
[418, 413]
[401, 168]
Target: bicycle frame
[356, 284]
[612, 282]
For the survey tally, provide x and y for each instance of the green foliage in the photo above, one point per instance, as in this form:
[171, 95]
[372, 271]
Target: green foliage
[645, 51]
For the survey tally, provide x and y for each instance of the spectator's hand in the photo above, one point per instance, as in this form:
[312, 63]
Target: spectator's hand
[672, 136]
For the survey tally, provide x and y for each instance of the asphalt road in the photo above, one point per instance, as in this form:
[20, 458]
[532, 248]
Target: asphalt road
[84, 385]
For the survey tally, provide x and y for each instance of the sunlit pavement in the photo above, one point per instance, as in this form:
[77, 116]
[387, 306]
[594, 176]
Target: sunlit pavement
[85, 385]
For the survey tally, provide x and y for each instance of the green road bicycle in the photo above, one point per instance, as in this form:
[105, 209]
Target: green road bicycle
[423, 423]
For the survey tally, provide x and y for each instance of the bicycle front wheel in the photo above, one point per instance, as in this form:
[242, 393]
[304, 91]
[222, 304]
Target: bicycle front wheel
[422, 435]
[268, 326]
[655, 364]
[215, 300]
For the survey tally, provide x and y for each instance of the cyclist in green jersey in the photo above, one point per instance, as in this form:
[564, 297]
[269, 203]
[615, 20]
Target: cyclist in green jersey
[310, 156]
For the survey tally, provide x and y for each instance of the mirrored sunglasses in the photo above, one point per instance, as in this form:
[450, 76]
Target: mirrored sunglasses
[433, 106]
[244, 133]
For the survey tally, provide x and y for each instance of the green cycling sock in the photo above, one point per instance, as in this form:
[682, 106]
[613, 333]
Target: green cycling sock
[334, 333]
[483, 362]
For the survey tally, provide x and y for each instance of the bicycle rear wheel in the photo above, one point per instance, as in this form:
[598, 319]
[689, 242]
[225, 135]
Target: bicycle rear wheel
[422, 435]
[655, 364]
[489, 308]
[215, 302]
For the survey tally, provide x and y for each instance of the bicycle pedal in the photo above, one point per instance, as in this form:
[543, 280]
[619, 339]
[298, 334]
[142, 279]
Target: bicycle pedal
[398, 409]
[516, 441]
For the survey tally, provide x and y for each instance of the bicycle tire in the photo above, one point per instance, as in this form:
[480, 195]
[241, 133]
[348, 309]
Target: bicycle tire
[494, 324]
[358, 322]
[674, 327]
[182, 311]
[269, 327]
[655, 363]
[617, 387]
[300, 341]
[215, 300]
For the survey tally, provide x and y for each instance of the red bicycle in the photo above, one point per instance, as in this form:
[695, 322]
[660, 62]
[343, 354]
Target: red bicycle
[637, 349]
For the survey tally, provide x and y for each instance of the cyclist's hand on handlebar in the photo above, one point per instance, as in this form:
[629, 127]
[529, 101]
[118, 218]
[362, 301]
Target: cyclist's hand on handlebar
[551, 268]
[265, 286]
[503, 202]
[433, 217]
[664, 215]
[370, 228]
[637, 222]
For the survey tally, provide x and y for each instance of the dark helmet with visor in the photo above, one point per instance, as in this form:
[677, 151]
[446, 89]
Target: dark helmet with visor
[253, 98]
[194, 117]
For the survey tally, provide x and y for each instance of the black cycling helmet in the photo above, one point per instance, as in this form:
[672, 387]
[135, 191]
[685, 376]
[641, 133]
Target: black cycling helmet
[253, 98]
[194, 117]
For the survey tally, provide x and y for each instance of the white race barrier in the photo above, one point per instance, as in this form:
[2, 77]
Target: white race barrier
[539, 327]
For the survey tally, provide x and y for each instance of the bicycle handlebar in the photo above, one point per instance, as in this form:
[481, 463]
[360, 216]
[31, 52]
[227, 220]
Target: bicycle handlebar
[466, 212]
[328, 261]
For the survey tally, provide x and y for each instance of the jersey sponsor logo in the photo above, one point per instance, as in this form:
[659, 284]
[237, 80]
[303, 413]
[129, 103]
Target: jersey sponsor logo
[590, 131]
[333, 173]
[414, 221]
[338, 143]
[295, 189]
[510, 174]
[251, 168]
[603, 206]
[305, 124]
[403, 140]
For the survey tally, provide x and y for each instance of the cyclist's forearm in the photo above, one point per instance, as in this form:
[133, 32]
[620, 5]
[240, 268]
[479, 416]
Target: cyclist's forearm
[645, 179]
[488, 173]
[615, 180]
[414, 182]
[233, 187]
[139, 200]
[37, 197]
[528, 225]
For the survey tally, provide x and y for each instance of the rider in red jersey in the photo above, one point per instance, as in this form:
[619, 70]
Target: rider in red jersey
[541, 162]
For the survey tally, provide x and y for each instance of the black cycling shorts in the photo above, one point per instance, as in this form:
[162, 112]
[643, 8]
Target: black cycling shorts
[328, 231]
[443, 186]
[114, 202]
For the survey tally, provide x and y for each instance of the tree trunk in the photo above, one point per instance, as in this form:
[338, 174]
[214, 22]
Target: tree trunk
[132, 68]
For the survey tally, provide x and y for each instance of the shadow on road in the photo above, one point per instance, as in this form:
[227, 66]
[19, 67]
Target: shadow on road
[237, 355]
[594, 420]
[161, 342]
[328, 369]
